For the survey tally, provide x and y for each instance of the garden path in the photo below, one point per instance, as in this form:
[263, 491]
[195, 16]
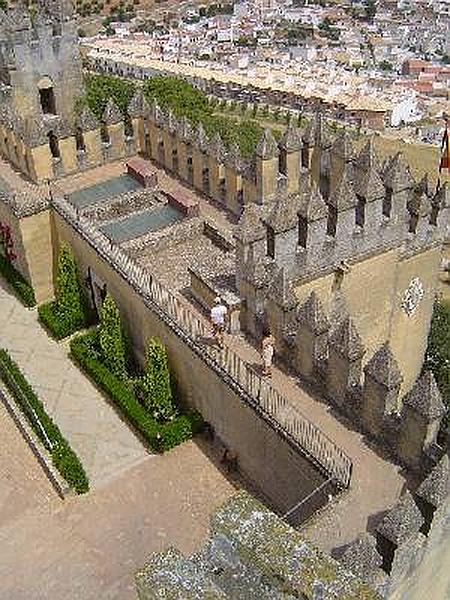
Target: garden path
[105, 444]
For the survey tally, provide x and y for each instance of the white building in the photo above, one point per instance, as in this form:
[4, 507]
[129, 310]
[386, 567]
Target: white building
[406, 109]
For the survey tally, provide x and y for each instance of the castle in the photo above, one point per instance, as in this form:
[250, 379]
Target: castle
[336, 251]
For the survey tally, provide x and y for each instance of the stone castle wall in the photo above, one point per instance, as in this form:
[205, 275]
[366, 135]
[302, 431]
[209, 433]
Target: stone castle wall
[277, 469]
[251, 553]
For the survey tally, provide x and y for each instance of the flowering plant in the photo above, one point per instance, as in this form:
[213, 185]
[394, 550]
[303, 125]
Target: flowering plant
[6, 242]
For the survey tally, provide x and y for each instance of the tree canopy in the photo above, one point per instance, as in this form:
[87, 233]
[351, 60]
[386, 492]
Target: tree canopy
[182, 98]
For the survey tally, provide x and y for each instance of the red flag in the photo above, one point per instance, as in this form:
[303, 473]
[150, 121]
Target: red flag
[445, 151]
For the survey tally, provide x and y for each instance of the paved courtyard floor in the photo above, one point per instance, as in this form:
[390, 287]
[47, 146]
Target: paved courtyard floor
[88, 547]
[104, 443]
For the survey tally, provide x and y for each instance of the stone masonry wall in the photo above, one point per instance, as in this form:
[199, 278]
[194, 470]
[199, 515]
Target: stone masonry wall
[281, 473]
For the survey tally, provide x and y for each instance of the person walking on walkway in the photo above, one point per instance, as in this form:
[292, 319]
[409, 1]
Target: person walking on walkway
[218, 319]
[268, 349]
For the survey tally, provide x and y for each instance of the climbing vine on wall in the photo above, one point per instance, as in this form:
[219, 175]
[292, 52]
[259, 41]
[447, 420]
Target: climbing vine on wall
[7, 242]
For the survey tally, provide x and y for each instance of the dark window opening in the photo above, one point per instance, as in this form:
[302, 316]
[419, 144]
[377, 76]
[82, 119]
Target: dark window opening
[302, 231]
[27, 162]
[54, 145]
[331, 220]
[48, 104]
[128, 127]
[324, 186]
[5, 76]
[270, 242]
[413, 220]
[79, 139]
[56, 29]
[282, 162]
[360, 212]
[387, 203]
[434, 215]
[305, 157]
[240, 196]
[104, 134]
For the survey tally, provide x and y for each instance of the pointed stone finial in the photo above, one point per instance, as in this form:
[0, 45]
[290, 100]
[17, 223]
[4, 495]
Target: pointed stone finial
[368, 157]
[87, 120]
[361, 557]
[423, 187]
[442, 196]
[342, 146]
[217, 148]
[344, 198]
[435, 489]
[267, 147]
[234, 157]
[280, 289]
[255, 270]
[368, 184]
[312, 314]
[146, 108]
[136, 104]
[291, 140]
[112, 114]
[397, 174]
[383, 368]
[312, 205]
[402, 521]
[425, 398]
[157, 112]
[172, 122]
[284, 214]
[35, 133]
[346, 340]
[201, 138]
[308, 133]
[322, 137]
[250, 227]
[185, 129]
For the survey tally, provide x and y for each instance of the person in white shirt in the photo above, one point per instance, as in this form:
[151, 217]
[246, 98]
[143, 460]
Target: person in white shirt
[218, 319]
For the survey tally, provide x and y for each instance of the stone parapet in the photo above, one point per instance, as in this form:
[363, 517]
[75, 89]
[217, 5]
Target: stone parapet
[251, 553]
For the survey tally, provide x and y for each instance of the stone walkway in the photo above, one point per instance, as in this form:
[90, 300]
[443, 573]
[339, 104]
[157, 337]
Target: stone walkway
[376, 483]
[103, 442]
[23, 484]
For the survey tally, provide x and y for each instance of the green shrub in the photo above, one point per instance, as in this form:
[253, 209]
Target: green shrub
[154, 384]
[23, 289]
[63, 457]
[111, 339]
[99, 88]
[69, 312]
[159, 436]
[49, 317]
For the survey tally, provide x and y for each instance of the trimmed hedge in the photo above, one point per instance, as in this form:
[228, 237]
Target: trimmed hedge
[63, 457]
[159, 436]
[19, 284]
[52, 320]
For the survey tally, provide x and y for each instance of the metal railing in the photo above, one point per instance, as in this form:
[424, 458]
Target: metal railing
[257, 391]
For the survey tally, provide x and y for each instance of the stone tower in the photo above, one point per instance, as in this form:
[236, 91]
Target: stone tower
[40, 82]
[39, 61]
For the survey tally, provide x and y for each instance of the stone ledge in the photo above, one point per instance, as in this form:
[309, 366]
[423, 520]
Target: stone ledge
[58, 483]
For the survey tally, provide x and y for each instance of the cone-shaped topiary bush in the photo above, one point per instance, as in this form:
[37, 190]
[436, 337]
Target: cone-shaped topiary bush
[69, 311]
[155, 383]
[111, 338]
[69, 301]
